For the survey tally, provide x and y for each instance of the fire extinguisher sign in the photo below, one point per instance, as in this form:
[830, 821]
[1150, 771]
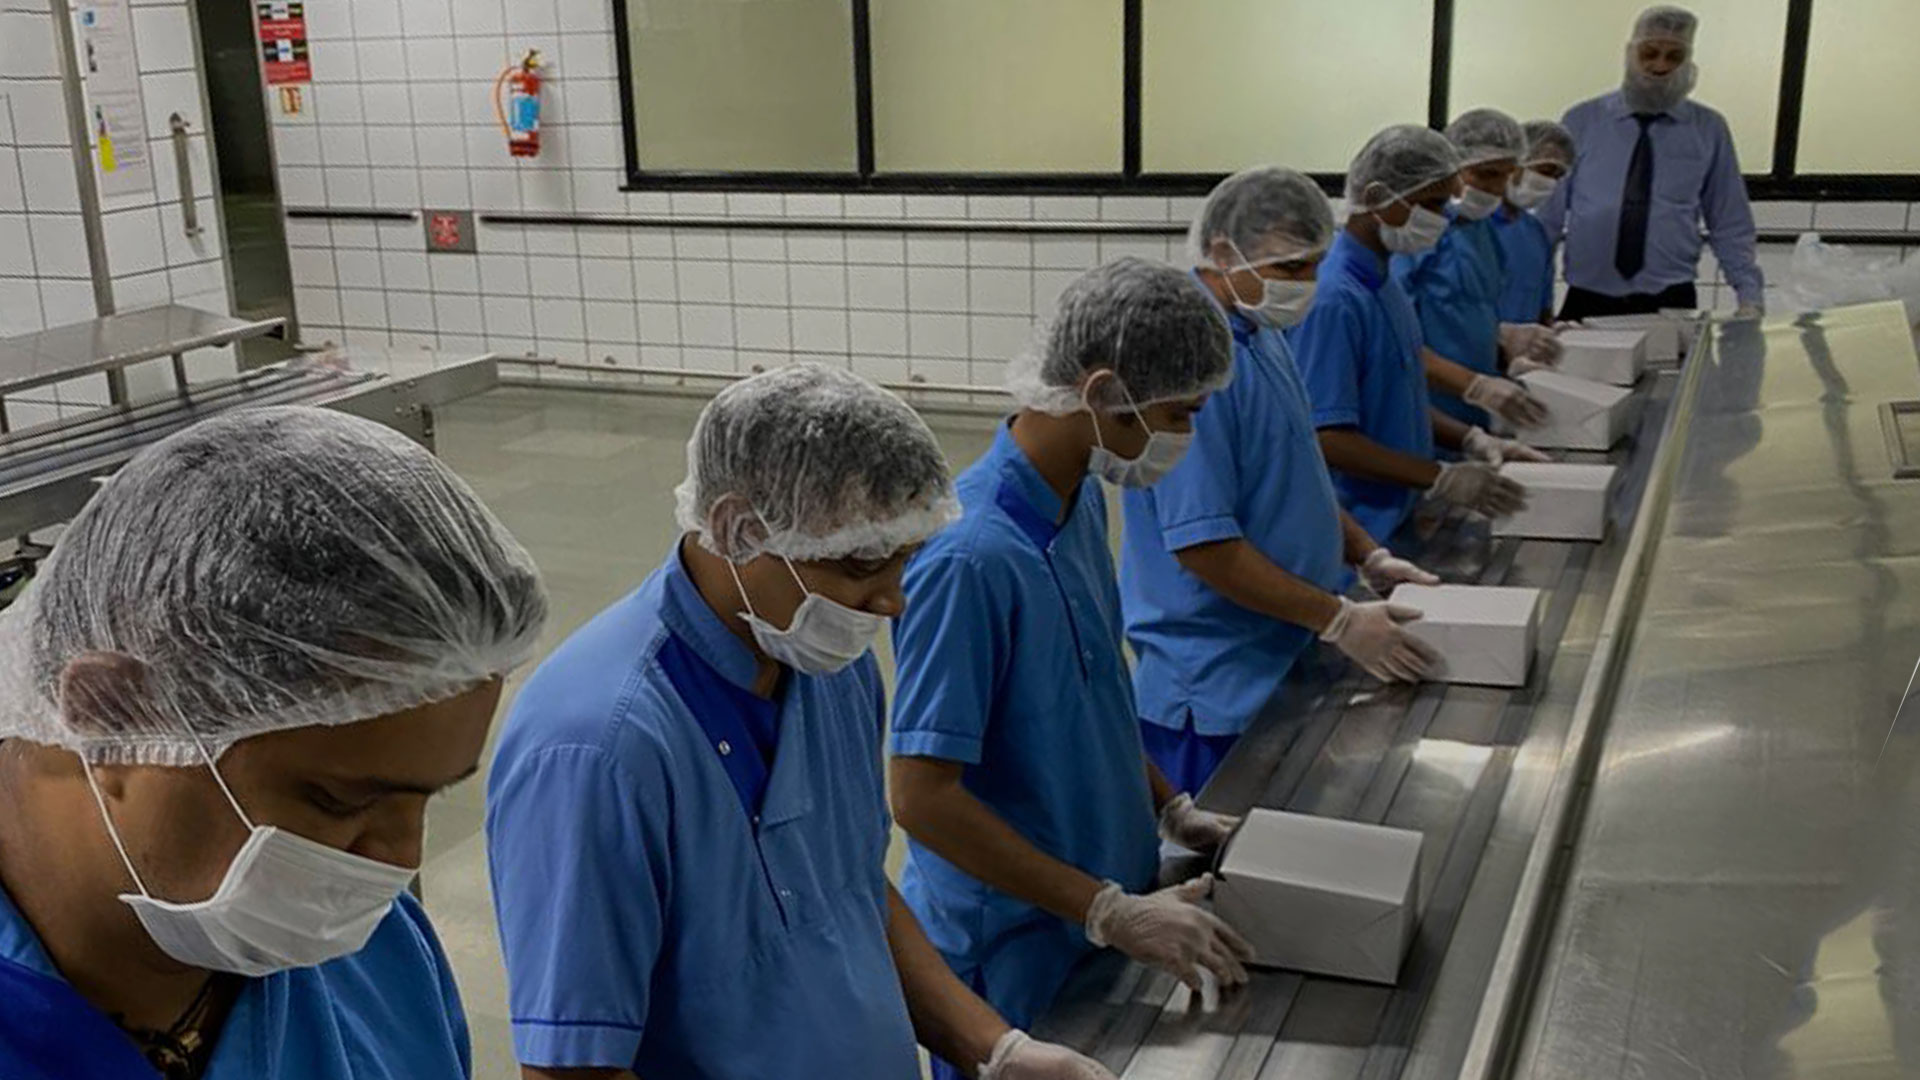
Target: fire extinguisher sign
[283, 42]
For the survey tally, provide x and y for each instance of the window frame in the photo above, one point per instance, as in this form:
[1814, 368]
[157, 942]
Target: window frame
[1779, 181]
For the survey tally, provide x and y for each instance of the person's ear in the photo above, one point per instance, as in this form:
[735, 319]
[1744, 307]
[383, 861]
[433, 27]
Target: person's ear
[734, 526]
[106, 693]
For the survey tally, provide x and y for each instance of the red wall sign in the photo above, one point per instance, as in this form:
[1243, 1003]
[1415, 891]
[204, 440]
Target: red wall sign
[283, 41]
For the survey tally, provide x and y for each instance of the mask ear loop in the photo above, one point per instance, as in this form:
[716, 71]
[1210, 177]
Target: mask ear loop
[791, 569]
[112, 833]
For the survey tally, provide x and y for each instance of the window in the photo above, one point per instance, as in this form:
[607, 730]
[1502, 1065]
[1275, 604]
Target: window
[720, 86]
[1862, 86]
[1227, 84]
[997, 86]
[1534, 60]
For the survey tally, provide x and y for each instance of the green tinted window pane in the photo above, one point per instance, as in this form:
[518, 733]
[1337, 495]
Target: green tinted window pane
[1862, 105]
[997, 86]
[730, 86]
[1536, 60]
[1227, 84]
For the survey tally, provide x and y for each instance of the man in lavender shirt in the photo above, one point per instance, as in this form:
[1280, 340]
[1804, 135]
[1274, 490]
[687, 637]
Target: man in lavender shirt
[1652, 166]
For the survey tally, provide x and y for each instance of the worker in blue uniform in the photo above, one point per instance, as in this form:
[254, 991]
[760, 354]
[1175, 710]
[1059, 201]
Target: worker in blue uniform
[1456, 284]
[1017, 768]
[225, 703]
[1526, 296]
[1655, 168]
[1235, 562]
[1364, 359]
[687, 820]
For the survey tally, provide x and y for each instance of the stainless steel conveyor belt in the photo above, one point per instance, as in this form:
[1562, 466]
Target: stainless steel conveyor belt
[1469, 767]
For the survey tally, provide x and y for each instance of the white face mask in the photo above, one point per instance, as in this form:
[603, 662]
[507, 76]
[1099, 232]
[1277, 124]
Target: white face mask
[1477, 205]
[1163, 451]
[824, 637]
[285, 902]
[1423, 229]
[1282, 304]
[1530, 189]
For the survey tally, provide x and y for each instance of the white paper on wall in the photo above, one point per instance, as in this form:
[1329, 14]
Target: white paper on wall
[116, 117]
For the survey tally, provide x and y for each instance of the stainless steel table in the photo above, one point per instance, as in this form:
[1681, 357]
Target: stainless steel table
[113, 343]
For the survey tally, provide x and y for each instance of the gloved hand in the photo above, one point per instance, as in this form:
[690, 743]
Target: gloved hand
[1020, 1056]
[1532, 342]
[1170, 931]
[1192, 828]
[1495, 450]
[1479, 487]
[1372, 635]
[1382, 570]
[1507, 398]
[1750, 311]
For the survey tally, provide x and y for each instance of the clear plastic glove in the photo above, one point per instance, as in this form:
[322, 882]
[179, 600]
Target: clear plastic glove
[1374, 636]
[1507, 398]
[1197, 830]
[1382, 570]
[1495, 450]
[1750, 311]
[1520, 365]
[1020, 1056]
[1532, 342]
[1479, 487]
[1169, 930]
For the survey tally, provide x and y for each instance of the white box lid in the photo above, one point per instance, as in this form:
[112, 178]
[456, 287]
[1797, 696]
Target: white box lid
[1600, 395]
[1603, 339]
[1325, 854]
[1560, 475]
[1475, 605]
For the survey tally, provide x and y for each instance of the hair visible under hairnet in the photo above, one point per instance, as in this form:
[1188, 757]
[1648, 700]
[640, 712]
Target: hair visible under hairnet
[1267, 214]
[1163, 338]
[811, 462]
[1665, 22]
[270, 569]
[1548, 140]
[1403, 159]
[1483, 135]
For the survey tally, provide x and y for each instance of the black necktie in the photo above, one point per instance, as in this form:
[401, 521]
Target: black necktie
[1630, 247]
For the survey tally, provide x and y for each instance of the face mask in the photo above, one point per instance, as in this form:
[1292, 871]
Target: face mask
[1163, 451]
[285, 902]
[1282, 304]
[1423, 229]
[824, 637]
[1477, 205]
[1530, 189]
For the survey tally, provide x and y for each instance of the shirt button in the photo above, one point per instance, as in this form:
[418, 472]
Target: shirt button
[725, 748]
[786, 894]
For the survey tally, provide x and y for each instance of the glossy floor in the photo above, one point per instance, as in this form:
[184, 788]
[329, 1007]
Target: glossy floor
[585, 480]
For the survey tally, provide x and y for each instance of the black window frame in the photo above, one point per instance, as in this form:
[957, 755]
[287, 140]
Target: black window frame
[1780, 181]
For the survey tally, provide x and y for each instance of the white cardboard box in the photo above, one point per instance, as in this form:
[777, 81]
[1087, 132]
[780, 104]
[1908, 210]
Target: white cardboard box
[1483, 633]
[1321, 895]
[1615, 357]
[1689, 320]
[1581, 415]
[1565, 501]
[1663, 332]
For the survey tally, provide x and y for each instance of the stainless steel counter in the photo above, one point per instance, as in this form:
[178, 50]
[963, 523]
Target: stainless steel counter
[1469, 767]
[1743, 895]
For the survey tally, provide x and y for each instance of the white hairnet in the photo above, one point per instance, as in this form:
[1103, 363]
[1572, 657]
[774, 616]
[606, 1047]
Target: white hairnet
[811, 462]
[270, 569]
[1548, 140]
[1268, 214]
[1402, 159]
[1150, 324]
[1483, 135]
[1665, 22]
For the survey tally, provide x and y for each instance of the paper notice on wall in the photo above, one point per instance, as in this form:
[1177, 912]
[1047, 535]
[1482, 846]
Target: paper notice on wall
[116, 117]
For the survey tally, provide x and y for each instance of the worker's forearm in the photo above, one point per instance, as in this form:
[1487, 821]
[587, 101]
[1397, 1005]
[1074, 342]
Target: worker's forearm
[948, 1018]
[1355, 542]
[1238, 571]
[939, 812]
[1355, 454]
[1447, 431]
[1444, 375]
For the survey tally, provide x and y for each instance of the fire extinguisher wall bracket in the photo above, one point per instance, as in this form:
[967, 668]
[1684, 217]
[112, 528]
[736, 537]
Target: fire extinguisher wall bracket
[516, 105]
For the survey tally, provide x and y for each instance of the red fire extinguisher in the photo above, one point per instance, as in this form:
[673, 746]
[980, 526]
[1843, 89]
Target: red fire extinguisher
[518, 110]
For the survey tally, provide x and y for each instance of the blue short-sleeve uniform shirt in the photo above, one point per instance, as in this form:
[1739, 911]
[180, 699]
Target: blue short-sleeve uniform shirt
[1455, 288]
[1010, 663]
[387, 1012]
[1255, 472]
[1359, 355]
[650, 920]
[1527, 254]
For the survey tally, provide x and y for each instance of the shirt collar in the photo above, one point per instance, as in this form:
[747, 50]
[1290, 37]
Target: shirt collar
[687, 614]
[1616, 106]
[1022, 493]
[1360, 262]
[19, 944]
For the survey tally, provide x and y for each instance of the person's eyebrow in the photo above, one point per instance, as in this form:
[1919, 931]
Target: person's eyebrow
[379, 785]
